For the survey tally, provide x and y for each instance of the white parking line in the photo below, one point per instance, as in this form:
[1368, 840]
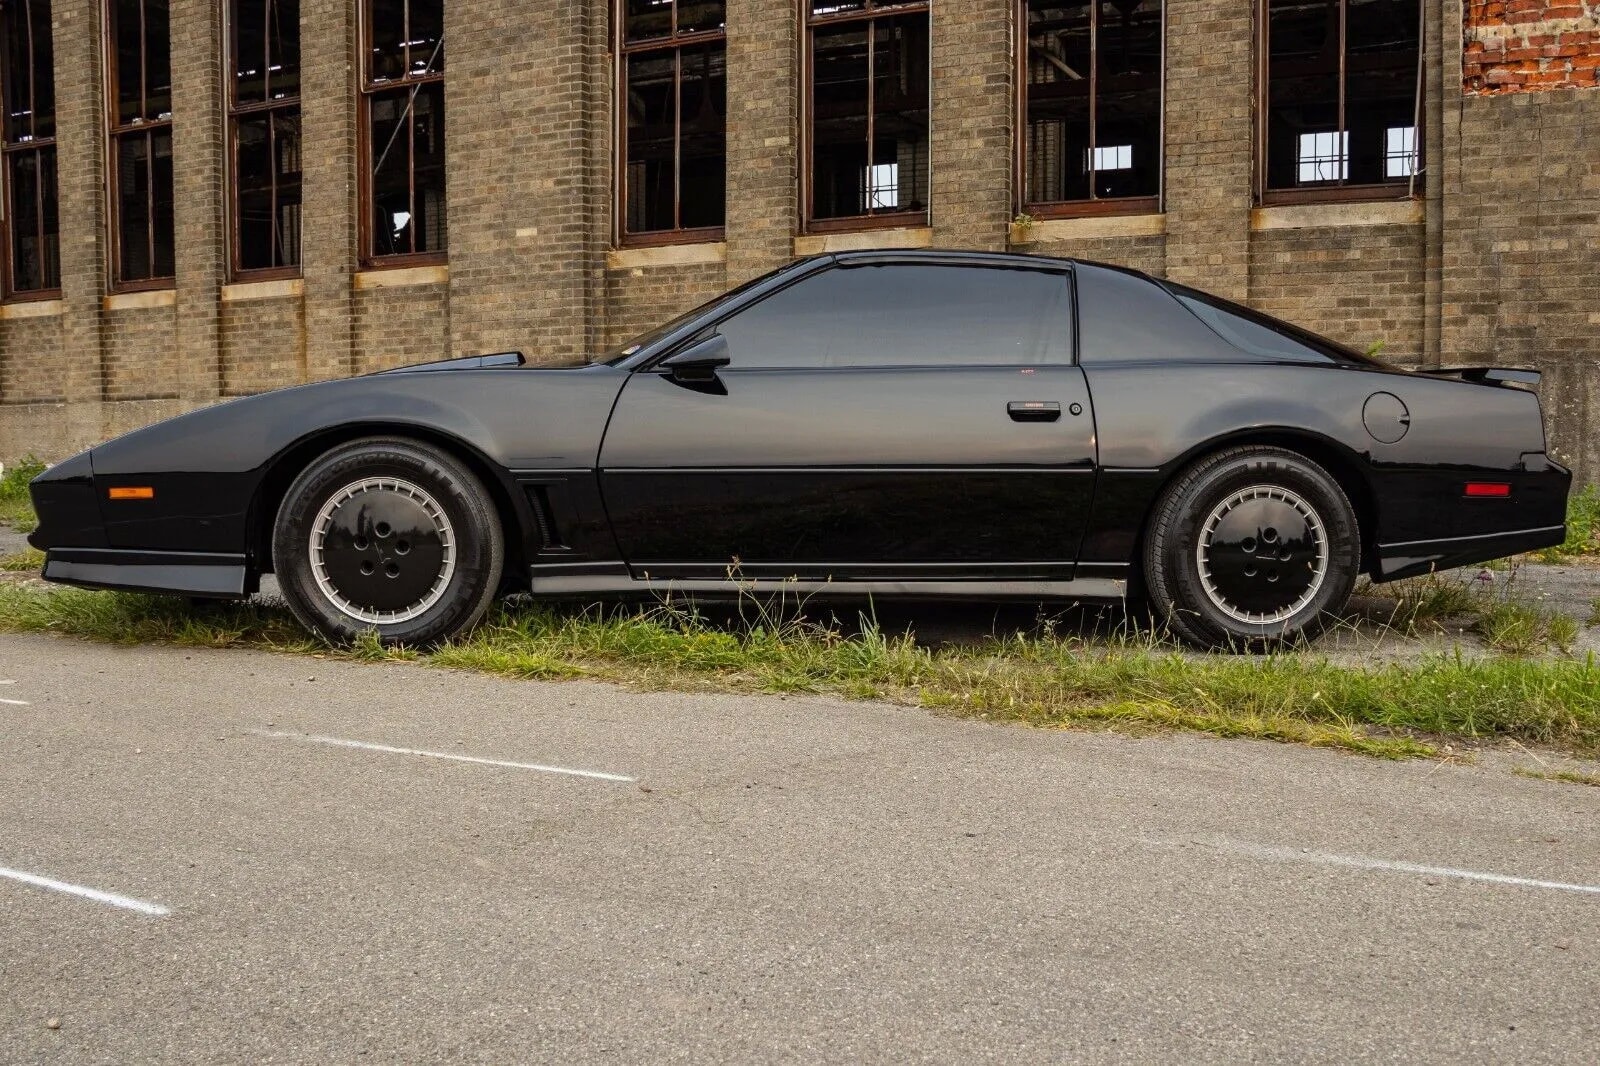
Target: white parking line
[17, 703]
[127, 903]
[1363, 862]
[361, 745]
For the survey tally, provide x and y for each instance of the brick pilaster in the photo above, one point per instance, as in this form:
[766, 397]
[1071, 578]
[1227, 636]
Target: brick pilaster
[763, 137]
[971, 149]
[328, 182]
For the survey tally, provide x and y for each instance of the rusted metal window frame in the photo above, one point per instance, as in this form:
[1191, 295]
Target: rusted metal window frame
[1408, 188]
[237, 112]
[9, 150]
[118, 132]
[674, 42]
[1093, 206]
[369, 89]
[870, 13]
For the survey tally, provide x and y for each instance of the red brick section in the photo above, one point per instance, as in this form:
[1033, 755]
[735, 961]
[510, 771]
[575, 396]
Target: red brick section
[1512, 46]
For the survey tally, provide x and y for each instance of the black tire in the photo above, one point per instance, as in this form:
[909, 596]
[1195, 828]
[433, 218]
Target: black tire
[1221, 573]
[392, 535]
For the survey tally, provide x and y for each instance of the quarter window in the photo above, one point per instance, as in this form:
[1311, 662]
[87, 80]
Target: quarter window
[403, 130]
[907, 315]
[868, 96]
[1092, 140]
[264, 121]
[1342, 98]
[140, 122]
[672, 60]
[28, 146]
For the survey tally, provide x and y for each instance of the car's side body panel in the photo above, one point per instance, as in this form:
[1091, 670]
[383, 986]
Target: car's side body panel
[903, 472]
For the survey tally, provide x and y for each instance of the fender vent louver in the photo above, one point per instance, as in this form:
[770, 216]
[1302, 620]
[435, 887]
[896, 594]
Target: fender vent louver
[539, 500]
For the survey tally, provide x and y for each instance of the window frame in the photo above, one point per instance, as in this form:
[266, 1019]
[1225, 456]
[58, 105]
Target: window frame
[1409, 188]
[621, 52]
[36, 146]
[1094, 207]
[872, 11]
[712, 324]
[234, 112]
[367, 90]
[116, 133]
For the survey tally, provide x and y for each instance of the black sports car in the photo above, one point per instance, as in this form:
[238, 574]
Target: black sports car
[933, 424]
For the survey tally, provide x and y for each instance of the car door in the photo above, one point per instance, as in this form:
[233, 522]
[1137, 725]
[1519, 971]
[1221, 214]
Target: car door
[904, 419]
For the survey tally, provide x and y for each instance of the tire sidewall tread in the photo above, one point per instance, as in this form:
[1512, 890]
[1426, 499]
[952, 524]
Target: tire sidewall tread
[479, 537]
[1171, 573]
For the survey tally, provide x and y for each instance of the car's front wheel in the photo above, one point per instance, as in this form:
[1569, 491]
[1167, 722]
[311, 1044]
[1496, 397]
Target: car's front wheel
[388, 535]
[1251, 546]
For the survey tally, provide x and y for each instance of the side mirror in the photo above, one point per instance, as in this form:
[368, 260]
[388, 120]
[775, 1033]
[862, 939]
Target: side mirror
[698, 364]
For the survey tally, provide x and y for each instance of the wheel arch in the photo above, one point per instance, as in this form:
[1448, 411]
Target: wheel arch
[1343, 464]
[516, 518]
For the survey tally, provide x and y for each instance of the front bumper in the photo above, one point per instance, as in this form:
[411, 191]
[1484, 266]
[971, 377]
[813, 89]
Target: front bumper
[177, 573]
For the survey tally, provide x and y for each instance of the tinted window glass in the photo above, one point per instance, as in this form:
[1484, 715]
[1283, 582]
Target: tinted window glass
[1127, 318]
[902, 315]
[1261, 335]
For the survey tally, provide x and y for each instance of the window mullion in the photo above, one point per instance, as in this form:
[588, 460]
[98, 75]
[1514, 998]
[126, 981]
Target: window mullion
[1344, 131]
[1094, 96]
[677, 130]
[150, 198]
[872, 110]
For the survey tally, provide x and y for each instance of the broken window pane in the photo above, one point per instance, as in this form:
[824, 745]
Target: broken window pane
[408, 177]
[1341, 84]
[869, 116]
[1093, 100]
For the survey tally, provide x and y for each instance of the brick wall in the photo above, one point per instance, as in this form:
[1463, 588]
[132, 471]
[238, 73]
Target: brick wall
[31, 365]
[263, 345]
[1530, 45]
[1520, 240]
[1360, 285]
[393, 326]
[639, 298]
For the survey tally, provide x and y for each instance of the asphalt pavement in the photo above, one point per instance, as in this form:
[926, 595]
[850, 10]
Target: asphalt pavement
[242, 857]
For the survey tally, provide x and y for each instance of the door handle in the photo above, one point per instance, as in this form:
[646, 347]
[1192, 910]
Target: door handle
[1033, 411]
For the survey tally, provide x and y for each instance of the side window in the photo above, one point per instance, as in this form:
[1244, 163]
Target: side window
[907, 315]
[1127, 318]
[1260, 335]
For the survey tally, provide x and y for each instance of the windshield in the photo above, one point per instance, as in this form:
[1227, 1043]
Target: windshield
[644, 340]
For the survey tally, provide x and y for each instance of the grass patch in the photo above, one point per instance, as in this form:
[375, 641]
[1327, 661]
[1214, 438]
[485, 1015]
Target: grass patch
[1583, 529]
[1044, 679]
[1571, 777]
[1519, 629]
[16, 506]
[1421, 602]
[29, 559]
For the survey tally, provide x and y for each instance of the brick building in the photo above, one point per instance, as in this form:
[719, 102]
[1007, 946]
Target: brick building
[208, 199]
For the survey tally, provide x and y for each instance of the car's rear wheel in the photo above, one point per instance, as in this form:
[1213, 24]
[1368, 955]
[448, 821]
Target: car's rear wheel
[388, 535]
[1251, 546]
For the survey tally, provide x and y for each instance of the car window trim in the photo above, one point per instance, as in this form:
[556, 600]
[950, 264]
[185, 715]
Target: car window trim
[715, 318]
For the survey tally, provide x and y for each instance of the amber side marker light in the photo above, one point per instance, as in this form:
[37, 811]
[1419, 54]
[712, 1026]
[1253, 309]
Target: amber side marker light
[139, 493]
[1488, 489]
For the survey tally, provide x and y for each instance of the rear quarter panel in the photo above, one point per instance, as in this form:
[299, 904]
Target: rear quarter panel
[1155, 418]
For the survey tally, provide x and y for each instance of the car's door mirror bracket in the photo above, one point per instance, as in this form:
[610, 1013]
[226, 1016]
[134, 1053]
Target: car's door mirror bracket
[697, 365]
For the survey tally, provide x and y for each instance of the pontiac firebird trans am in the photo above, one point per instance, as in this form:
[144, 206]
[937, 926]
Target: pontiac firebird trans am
[931, 424]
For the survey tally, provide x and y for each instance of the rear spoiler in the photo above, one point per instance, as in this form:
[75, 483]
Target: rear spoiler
[1487, 375]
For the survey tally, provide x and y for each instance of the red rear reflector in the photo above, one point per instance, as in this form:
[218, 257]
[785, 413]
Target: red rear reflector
[1488, 488]
[138, 493]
